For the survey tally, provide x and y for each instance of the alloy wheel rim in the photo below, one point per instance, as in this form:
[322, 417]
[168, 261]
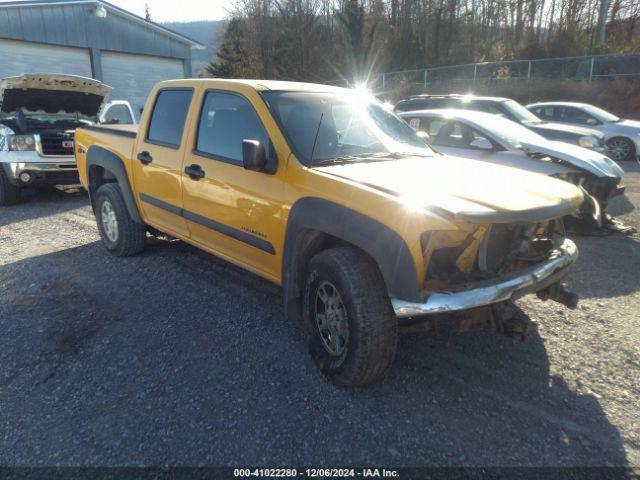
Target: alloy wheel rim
[619, 149]
[109, 221]
[331, 319]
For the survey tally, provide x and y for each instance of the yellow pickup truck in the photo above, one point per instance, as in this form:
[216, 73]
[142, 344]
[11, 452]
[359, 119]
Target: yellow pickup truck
[324, 191]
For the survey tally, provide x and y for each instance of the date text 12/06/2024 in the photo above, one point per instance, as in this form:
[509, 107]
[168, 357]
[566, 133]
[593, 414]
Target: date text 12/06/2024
[315, 473]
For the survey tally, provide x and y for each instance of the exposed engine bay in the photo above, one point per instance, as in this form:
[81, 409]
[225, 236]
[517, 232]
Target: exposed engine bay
[490, 255]
[488, 251]
[22, 123]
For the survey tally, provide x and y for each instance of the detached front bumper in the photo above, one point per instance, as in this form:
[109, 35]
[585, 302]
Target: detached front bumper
[507, 287]
[25, 169]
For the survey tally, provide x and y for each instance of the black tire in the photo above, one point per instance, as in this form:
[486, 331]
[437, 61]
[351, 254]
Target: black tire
[129, 237]
[9, 194]
[371, 333]
[621, 149]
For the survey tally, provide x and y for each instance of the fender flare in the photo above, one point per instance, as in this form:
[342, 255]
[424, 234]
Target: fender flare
[385, 246]
[101, 157]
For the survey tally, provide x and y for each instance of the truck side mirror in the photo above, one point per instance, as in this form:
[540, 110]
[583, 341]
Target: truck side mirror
[254, 156]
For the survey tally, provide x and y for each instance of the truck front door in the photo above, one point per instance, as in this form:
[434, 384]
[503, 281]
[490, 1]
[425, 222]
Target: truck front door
[157, 163]
[229, 210]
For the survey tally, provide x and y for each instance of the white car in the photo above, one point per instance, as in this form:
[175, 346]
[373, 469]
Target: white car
[621, 136]
[493, 139]
[117, 112]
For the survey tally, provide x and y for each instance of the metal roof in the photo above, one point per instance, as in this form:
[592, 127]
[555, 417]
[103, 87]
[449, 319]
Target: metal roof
[109, 7]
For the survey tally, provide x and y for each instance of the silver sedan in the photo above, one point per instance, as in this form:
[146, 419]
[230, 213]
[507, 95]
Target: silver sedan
[493, 139]
[622, 136]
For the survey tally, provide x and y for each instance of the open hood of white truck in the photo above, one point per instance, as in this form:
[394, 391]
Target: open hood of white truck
[53, 93]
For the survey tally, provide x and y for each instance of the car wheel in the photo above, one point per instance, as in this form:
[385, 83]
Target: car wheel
[351, 329]
[621, 149]
[9, 194]
[120, 234]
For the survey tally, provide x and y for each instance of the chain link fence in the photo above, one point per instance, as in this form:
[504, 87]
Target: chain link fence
[454, 77]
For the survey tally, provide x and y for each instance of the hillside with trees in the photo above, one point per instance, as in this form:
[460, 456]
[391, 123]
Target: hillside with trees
[318, 40]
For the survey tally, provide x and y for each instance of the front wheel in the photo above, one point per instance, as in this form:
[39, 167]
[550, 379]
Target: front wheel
[9, 194]
[351, 328]
[120, 234]
[621, 149]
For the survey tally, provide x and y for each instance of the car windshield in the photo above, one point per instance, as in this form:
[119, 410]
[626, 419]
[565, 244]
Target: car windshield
[521, 114]
[350, 126]
[511, 133]
[600, 114]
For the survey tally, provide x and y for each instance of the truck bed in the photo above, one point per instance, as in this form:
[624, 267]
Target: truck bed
[119, 139]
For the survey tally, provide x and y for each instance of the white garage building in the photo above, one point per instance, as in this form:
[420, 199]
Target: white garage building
[94, 39]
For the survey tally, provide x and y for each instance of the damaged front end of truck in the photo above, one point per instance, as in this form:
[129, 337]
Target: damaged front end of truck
[491, 263]
[488, 234]
[474, 275]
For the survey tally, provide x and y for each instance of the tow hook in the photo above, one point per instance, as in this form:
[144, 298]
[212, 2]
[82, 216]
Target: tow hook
[559, 292]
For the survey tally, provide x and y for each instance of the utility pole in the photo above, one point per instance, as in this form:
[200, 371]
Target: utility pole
[602, 21]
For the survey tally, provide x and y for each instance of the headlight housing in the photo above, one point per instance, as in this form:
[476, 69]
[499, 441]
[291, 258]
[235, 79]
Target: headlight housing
[21, 143]
[589, 141]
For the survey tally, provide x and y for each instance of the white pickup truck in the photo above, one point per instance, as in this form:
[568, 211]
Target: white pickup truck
[39, 114]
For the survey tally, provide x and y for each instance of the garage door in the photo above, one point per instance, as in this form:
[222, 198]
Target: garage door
[133, 76]
[18, 58]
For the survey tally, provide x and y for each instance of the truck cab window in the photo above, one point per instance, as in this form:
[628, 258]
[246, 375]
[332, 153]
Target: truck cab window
[168, 116]
[225, 121]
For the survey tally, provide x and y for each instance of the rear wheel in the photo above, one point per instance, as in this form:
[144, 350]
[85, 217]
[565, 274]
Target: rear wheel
[621, 149]
[9, 194]
[351, 328]
[120, 234]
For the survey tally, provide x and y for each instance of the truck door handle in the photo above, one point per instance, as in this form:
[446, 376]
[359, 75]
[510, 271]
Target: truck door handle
[194, 171]
[145, 158]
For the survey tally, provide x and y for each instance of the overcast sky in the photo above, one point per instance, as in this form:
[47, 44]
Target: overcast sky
[178, 10]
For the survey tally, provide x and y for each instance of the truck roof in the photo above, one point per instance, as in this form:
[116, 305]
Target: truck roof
[257, 84]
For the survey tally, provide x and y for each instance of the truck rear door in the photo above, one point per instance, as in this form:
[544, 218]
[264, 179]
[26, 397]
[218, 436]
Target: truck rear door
[157, 166]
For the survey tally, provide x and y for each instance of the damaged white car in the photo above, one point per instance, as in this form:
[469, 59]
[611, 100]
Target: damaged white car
[490, 138]
[39, 114]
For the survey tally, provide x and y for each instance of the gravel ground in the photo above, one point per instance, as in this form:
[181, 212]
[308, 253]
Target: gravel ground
[176, 358]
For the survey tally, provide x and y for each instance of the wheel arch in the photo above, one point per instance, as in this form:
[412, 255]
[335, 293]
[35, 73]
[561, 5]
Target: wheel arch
[316, 224]
[104, 166]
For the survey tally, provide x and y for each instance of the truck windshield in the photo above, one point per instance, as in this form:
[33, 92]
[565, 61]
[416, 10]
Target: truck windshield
[350, 126]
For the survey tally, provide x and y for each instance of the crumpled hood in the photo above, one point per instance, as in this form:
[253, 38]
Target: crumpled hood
[582, 158]
[564, 128]
[468, 190]
[53, 93]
